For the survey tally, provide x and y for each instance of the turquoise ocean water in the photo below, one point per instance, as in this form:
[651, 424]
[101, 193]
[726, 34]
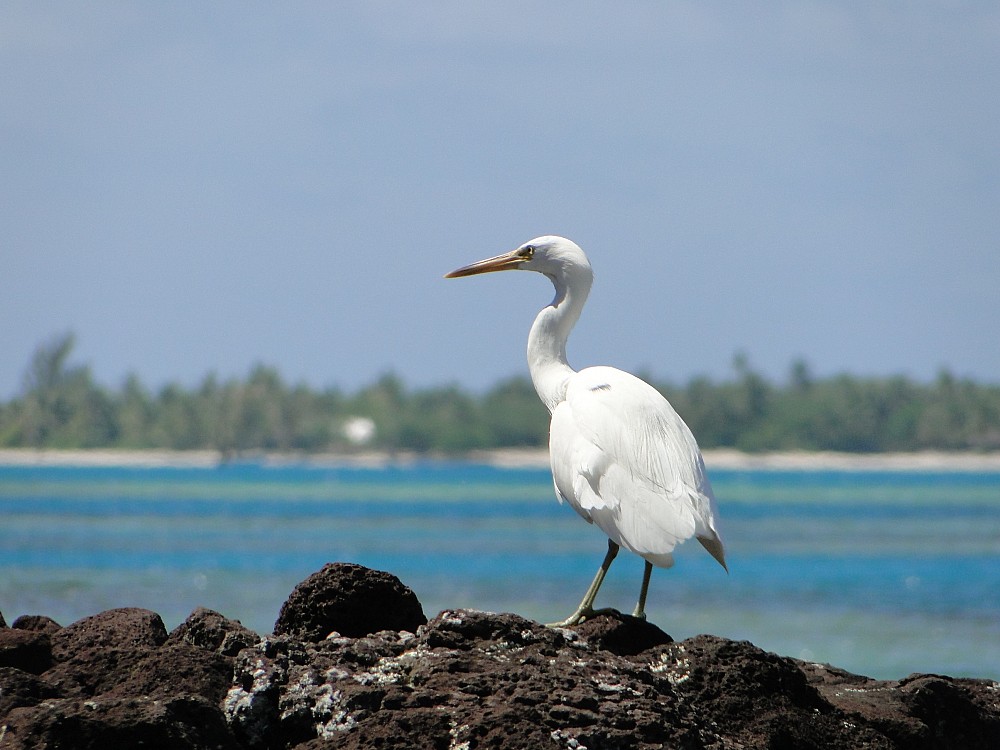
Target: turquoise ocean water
[881, 573]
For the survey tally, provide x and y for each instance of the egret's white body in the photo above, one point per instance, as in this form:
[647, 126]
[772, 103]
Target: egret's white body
[621, 456]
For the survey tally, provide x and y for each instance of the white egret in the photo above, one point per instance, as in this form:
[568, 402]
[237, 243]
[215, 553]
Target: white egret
[621, 456]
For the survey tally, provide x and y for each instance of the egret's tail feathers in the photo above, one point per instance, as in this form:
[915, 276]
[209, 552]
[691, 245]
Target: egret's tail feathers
[715, 549]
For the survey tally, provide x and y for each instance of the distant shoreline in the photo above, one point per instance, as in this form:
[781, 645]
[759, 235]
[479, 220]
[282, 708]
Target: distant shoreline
[726, 459]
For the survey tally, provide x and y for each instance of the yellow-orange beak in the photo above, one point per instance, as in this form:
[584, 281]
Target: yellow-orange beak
[506, 262]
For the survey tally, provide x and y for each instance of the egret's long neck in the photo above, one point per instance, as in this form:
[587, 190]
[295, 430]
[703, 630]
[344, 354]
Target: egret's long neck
[547, 340]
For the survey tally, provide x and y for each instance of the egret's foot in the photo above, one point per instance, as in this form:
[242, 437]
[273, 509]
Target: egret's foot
[639, 614]
[581, 615]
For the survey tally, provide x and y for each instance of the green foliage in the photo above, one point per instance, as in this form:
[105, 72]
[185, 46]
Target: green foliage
[62, 407]
[842, 413]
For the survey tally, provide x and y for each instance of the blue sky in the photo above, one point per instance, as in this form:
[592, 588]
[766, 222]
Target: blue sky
[202, 187]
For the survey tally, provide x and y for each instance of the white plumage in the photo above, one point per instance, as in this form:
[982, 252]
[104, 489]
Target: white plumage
[621, 456]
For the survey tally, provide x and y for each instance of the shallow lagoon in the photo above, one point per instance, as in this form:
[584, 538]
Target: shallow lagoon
[879, 572]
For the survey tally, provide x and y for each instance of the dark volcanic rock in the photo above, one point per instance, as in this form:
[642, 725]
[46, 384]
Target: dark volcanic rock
[492, 680]
[19, 688]
[920, 711]
[128, 628]
[25, 649]
[622, 634]
[175, 723]
[209, 630]
[350, 600]
[95, 654]
[465, 679]
[755, 698]
[197, 659]
[119, 681]
[176, 669]
[37, 623]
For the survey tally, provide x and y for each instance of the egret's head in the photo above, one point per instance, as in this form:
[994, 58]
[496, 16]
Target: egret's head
[556, 257]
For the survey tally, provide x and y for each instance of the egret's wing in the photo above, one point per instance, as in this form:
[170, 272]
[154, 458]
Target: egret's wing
[624, 459]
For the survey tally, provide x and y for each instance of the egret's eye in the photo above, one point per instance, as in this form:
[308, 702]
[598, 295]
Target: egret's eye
[527, 251]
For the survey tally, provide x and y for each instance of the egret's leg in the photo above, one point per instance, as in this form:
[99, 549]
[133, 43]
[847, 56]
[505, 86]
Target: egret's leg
[586, 608]
[640, 608]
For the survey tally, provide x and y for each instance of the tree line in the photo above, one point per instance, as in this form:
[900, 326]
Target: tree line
[61, 406]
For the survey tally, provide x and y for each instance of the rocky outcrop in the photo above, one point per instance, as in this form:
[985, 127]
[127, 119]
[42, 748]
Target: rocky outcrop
[350, 600]
[353, 663]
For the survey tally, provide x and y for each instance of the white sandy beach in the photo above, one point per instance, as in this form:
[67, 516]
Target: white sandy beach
[512, 458]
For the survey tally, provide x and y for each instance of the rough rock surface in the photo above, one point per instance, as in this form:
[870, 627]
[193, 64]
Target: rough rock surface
[464, 680]
[349, 600]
